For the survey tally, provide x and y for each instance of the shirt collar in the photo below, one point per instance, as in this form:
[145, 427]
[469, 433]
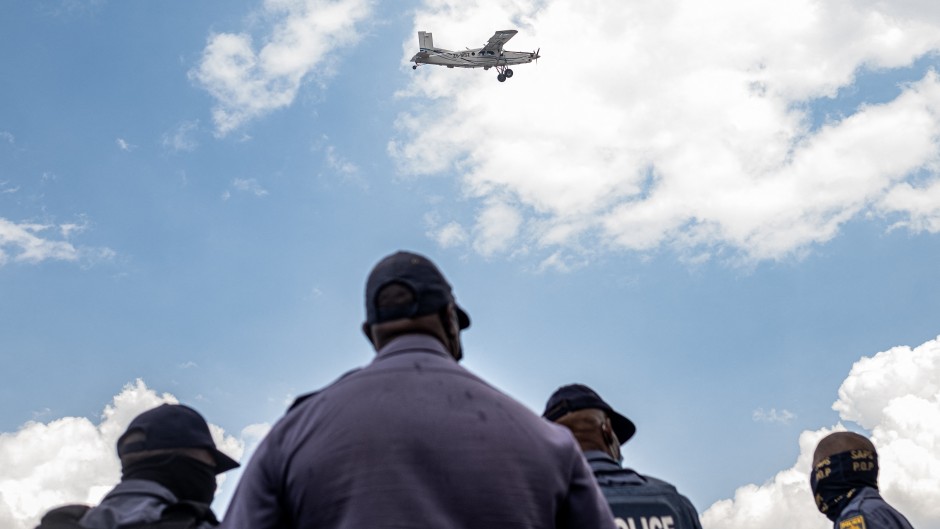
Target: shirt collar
[601, 460]
[408, 343]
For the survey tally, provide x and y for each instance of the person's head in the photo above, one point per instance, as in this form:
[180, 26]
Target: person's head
[593, 422]
[407, 294]
[171, 444]
[843, 463]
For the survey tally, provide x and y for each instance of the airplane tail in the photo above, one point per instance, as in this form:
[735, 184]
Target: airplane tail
[425, 41]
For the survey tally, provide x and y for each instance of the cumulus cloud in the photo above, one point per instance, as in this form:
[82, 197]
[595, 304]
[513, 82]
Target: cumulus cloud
[7, 136]
[692, 129]
[247, 83]
[72, 459]
[895, 395]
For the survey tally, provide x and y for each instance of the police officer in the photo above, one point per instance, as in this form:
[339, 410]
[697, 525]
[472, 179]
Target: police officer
[637, 501]
[413, 439]
[169, 465]
[844, 479]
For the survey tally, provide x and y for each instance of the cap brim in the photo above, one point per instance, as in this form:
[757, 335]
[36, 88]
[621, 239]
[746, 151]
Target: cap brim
[462, 318]
[623, 427]
[223, 463]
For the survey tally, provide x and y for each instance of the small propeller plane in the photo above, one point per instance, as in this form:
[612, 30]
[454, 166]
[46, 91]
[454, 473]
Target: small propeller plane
[489, 56]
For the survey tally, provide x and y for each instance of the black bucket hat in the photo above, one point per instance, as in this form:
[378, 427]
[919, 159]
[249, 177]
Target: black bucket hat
[574, 397]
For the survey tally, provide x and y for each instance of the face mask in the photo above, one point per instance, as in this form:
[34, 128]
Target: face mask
[837, 479]
[187, 478]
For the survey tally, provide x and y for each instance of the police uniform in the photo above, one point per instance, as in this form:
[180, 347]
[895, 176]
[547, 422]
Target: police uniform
[415, 440]
[638, 501]
[867, 510]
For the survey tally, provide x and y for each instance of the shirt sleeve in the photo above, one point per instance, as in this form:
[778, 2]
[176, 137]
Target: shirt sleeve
[585, 506]
[881, 517]
[257, 502]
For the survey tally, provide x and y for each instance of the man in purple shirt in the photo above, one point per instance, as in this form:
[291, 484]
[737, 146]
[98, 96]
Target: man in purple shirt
[413, 440]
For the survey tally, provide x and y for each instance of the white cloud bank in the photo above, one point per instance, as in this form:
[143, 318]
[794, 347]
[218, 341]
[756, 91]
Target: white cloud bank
[72, 459]
[247, 83]
[895, 395]
[678, 124]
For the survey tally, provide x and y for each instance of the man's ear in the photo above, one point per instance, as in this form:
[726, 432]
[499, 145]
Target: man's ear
[606, 432]
[367, 330]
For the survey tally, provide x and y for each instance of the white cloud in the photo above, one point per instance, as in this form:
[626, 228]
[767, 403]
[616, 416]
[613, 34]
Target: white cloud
[896, 396]
[340, 164]
[676, 124]
[497, 226]
[72, 459]
[920, 206]
[124, 145]
[7, 137]
[249, 185]
[449, 235]
[181, 138]
[29, 243]
[782, 416]
[247, 84]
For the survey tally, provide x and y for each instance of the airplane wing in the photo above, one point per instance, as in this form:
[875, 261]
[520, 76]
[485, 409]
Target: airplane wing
[495, 44]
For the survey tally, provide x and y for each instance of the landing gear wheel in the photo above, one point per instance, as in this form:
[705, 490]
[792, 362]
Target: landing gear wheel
[415, 67]
[508, 73]
[501, 78]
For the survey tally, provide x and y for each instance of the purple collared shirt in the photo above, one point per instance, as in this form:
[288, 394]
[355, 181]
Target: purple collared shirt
[414, 440]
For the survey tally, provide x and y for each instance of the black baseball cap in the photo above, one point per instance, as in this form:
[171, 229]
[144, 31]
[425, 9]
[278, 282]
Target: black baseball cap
[574, 397]
[417, 273]
[170, 426]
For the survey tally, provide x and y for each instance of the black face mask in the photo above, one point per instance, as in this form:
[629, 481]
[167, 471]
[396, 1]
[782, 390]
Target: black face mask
[185, 477]
[839, 477]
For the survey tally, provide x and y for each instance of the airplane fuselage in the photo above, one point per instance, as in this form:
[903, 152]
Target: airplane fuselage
[476, 58]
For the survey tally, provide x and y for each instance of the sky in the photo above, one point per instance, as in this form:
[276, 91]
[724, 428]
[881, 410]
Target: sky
[721, 216]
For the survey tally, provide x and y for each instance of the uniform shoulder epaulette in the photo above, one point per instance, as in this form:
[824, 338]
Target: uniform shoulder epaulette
[299, 400]
[853, 522]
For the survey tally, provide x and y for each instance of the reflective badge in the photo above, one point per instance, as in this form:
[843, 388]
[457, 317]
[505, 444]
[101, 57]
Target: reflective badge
[855, 522]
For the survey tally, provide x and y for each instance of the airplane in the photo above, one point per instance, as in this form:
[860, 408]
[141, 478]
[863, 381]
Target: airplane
[491, 55]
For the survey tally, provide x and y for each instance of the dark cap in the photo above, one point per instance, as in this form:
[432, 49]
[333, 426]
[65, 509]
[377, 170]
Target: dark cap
[574, 397]
[417, 273]
[172, 426]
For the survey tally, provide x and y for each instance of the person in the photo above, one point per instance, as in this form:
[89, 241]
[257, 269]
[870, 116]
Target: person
[637, 501]
[169, 465]
[844, 481]
[413, 439]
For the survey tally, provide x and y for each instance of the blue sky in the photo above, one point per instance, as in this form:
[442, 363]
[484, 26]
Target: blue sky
[704, 221]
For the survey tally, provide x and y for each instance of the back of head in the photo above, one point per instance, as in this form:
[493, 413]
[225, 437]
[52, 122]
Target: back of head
[171, 428]
[843, 464]
[406, 293]
[576, 397]
[838, 442]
